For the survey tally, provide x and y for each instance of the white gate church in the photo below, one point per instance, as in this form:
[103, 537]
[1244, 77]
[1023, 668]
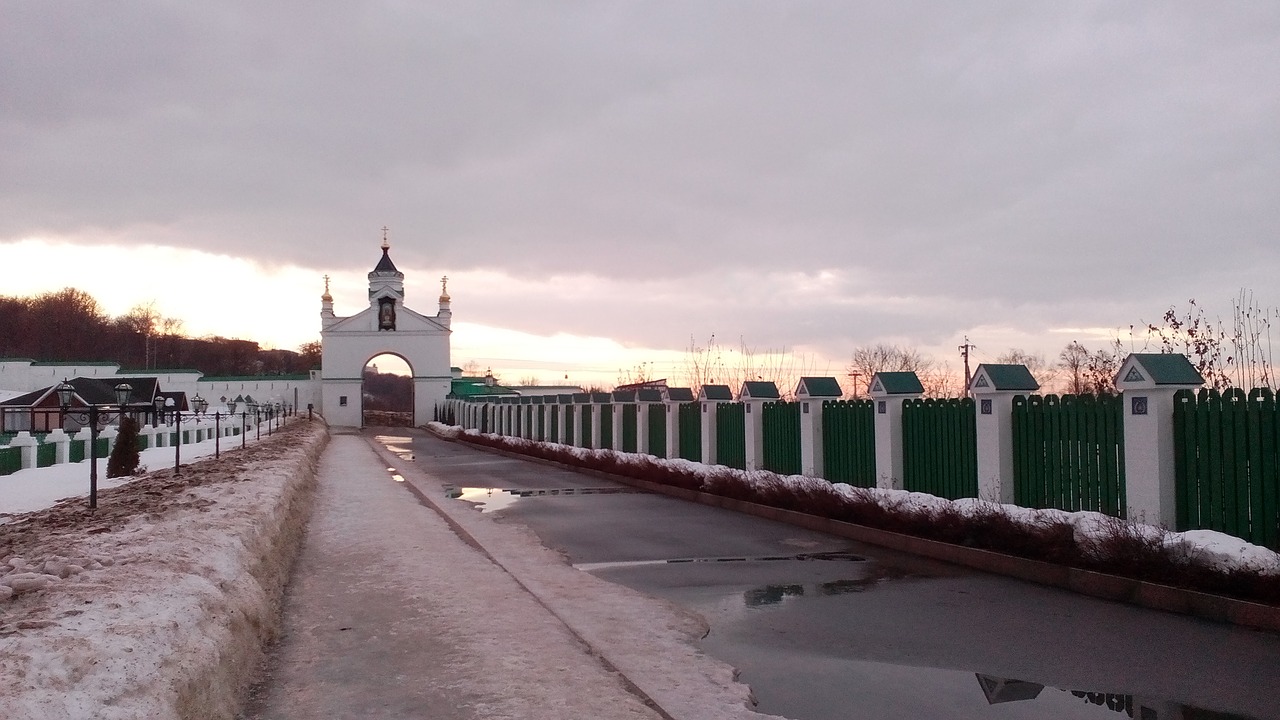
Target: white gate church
[386, 326]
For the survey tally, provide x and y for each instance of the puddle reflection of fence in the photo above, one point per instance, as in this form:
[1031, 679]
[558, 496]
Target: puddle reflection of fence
[491, 499]
[1003, 690]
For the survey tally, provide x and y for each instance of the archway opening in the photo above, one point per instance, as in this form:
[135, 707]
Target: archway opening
[387, 392]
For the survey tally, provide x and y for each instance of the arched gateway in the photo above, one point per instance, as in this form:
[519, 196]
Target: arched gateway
[386, 326]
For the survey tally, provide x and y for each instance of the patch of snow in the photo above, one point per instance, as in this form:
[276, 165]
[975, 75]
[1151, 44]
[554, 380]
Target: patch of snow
[39, 488]
[164, 612]
[1224, 552]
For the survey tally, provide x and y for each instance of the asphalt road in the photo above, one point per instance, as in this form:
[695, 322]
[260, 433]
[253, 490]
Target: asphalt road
[822, 627]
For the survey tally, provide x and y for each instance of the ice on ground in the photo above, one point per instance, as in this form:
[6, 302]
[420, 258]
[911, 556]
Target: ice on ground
[1221, 551]
[38, 488]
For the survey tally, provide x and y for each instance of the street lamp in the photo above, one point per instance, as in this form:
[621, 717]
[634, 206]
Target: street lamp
[198, 404]
[257, 424]
[65, 392]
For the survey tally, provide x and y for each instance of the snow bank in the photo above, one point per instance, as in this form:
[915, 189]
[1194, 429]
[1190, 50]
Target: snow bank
[159, 604]
[1217, 550]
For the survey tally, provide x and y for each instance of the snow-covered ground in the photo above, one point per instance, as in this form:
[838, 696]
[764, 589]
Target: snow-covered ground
[157, 604]
[1219, 550]
[38, 488]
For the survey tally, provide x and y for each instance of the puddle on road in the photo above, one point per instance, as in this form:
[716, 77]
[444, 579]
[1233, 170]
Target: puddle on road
[491, 499]
[401, 445]
[486, 499]
[885, 691]
[875, 574]
[836, 555]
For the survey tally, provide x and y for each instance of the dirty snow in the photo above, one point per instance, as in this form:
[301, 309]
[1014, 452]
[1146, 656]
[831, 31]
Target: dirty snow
[1219, 550]
[38, 488]
[155, 605]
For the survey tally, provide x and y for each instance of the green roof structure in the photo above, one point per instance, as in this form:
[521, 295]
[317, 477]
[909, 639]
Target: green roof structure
[680, 394]
[715, 392]
[1003, 377]
[1158, 369]
[896, 383]
[649, 395]
[819, 387]
[759, 390]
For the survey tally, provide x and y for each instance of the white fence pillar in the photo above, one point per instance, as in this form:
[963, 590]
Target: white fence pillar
[811, 392]
[1149, 381]
[27, 443]
[597, 422]
[672, 409]
[62, 443]
[562, 422]
[888, 390]
[642, 428]
[993, 388]
[753, 426]
[709, 397]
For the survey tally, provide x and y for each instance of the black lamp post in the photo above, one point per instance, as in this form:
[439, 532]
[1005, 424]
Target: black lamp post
[199, 405]
[65, 392]
[257, 422]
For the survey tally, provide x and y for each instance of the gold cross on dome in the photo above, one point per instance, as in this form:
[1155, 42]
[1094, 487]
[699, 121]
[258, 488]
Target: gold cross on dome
[444, 285]
[326, 284]
[385, 244]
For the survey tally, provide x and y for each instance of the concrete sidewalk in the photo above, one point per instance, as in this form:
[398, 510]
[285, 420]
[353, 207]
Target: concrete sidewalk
[391, 614]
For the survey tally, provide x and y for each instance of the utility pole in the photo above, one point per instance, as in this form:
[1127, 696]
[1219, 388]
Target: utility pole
[964, 353]
[855, 375]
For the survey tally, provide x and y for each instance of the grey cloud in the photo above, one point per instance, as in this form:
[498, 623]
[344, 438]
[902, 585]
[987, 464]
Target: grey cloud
[987, 156]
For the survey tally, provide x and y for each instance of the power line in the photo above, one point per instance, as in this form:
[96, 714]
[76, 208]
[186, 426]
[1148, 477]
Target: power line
[964, 353]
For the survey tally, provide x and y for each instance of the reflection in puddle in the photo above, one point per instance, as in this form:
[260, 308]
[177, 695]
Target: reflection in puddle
[398, 444]
[488, 499]
[1005, 690]
[497, 498]
[874, 575]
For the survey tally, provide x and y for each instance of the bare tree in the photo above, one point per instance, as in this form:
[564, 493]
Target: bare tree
[1074, 362]
[704, 365]
[529, 381]
[1042, 371]
[869, 360]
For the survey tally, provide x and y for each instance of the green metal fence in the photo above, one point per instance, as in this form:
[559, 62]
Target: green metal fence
[629, 413]
[1227, 460]
[849, 442]
[1068, 453]
[584, 425]
[690, 418]
[731, 431]
[10, 460]
[657, 430]
[46, 455]
[144, 441]
[939, 447]
[77, 450]
[781, 430]
[606, 426]
[553, 424]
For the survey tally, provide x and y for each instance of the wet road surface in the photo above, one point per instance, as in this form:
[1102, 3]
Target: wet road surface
[822, 627]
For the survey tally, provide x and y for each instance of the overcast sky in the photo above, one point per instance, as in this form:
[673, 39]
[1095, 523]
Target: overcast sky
[814, 175]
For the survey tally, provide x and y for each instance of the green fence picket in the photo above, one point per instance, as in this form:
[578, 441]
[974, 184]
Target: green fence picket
[629, 420]
[731, 448]
[10, 460]
[1068, 453]
[1227, 457]
[657, 430]
[690, 434]
[781, 430]
[939, 453]
[46, 455]
[848, 442]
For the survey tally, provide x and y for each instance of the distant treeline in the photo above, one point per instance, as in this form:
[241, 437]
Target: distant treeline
[69, 325]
